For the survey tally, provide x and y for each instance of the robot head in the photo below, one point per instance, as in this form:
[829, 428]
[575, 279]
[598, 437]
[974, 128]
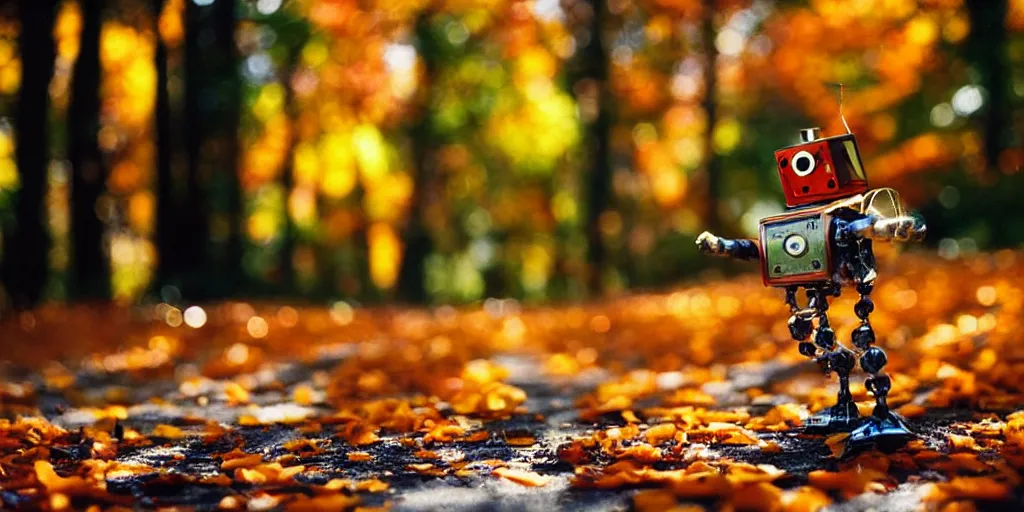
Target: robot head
[820, 169]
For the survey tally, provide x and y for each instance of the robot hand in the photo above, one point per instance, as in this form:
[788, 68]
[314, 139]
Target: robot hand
[912, 229]
[902, 228]
[711, 244]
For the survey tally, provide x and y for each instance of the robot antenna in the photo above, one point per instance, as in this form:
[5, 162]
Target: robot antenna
[841, 116]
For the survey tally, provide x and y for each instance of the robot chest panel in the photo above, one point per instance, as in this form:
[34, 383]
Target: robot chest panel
[795, 248]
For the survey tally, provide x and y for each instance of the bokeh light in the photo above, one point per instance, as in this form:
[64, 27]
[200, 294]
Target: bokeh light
[471, 142]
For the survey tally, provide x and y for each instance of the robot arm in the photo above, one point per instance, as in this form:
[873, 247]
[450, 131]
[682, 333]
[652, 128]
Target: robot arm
[902, 228]
[739, 249]
[878, 215]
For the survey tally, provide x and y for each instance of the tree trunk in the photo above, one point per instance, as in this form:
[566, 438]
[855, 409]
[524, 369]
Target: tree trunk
[26, 244]
[987, 50]
[711, 161]
[90, 270]
[418, 244]
[230, 87]
[288, 243]
[169, 226]
[212, 207]
[223, 63]
[594, 67]
[190, 214]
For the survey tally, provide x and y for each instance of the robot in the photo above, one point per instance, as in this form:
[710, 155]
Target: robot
[822, 242]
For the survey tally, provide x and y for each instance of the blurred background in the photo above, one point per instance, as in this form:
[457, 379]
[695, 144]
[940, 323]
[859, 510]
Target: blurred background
[444, 151]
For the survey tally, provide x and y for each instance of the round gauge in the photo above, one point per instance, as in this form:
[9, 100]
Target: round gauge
[803, 163]
[795, 245]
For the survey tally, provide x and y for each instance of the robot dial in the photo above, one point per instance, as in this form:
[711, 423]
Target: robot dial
[803, 163]
[795, 245]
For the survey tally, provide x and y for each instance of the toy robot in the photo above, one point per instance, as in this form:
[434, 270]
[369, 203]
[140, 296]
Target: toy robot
[822, 242]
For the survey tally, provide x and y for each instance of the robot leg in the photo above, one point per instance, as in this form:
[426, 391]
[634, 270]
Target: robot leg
[883, 425]
[843, 416]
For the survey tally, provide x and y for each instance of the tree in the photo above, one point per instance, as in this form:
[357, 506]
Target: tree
[213, 195]
[223, 65]
[594, 68]
[711, 162]
[171, 227]
[418, 244]
[987, 49]
[26, 243]
[299, 35]
[90, 270]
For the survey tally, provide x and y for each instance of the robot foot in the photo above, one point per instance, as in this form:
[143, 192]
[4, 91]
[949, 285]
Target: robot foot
[887, 431]
[842, 417]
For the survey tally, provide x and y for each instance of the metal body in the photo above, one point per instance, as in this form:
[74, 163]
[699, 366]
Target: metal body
[795, 248]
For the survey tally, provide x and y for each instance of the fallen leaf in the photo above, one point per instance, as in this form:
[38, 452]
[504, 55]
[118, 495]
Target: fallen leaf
[837, 443]
[167, 431]
[522, 477]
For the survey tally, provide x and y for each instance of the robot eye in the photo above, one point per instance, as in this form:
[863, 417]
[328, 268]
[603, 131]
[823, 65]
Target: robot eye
[795, 245]
[803, 163]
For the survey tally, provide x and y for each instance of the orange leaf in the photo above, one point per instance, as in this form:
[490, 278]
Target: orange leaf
[53, 482]
[837, 443]
[660, 433]
[805, 499]
[359, 456]
[521, 477]
[247, 461]
[757, 496]
[168, 431]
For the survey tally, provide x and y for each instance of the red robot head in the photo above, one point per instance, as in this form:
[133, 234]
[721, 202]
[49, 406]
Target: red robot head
[818, 170]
